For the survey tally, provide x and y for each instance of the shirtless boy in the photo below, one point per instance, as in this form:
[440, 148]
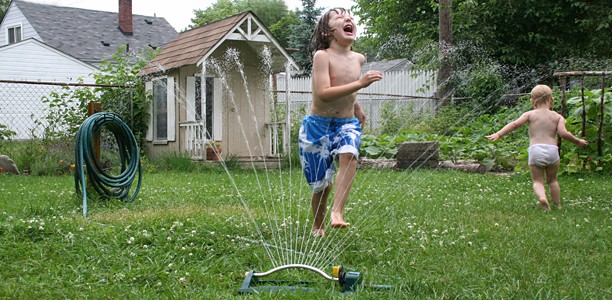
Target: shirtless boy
[333, 128]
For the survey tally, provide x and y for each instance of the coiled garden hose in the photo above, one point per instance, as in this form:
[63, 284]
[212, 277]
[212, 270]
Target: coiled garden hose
[105, 184]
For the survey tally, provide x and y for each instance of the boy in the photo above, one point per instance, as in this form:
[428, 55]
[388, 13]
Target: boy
[544, 125]
[333, 128]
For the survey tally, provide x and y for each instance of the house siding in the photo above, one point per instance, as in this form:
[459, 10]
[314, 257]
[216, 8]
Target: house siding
[30, 60]
[15, 16]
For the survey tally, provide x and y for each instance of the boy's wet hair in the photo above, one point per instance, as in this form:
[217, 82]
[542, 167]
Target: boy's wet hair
[541, 94]
[322, 35]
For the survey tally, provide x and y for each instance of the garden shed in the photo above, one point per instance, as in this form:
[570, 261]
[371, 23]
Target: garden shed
[213, 85]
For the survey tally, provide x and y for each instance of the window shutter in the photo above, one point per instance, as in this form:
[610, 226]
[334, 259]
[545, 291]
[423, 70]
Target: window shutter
[149, 91]
[171, 102]
[217, 110]
[190, 95]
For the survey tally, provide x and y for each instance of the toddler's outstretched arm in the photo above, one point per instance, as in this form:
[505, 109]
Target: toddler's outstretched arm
[512, 126]
[566, 135]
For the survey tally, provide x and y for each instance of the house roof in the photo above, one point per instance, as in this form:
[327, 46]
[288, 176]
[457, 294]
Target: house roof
[193, 46]
[90, 35]
[393, 65]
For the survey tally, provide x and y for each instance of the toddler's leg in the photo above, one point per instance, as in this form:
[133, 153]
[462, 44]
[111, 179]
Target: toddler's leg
[537, 176]
[344, 181]
[553, 185]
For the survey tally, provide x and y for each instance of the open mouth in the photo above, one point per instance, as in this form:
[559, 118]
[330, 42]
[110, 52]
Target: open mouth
[348, 28]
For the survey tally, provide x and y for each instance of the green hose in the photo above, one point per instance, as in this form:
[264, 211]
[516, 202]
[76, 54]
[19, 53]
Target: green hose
[106, 185]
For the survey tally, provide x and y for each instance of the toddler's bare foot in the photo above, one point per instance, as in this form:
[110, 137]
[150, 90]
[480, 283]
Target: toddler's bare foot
[337, 221]
[317, 232]
[544, 205]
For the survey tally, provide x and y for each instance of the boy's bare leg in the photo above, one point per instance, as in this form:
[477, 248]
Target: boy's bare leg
[318, 204]
[537, 176]
[344, 181]
[553, 185]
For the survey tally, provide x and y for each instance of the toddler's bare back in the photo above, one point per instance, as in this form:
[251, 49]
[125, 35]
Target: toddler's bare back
[543, 124]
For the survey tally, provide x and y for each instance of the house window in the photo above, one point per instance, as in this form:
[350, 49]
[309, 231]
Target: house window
[160, 109]
[14, 34]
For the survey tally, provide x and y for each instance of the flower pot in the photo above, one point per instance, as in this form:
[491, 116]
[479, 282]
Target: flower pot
[212, 155]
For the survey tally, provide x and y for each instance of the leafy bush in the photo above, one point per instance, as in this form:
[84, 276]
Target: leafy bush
[461, 136]
[119, 90]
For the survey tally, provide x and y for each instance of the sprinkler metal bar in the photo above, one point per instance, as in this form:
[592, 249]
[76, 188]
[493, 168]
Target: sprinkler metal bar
[296, 266]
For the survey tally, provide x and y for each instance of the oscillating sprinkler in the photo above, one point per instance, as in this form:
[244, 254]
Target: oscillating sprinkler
[348, 281]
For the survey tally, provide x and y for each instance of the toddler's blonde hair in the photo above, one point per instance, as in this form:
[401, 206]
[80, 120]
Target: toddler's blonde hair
[541, 94]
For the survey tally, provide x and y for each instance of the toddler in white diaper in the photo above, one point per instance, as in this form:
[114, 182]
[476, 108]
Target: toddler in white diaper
[544, 126]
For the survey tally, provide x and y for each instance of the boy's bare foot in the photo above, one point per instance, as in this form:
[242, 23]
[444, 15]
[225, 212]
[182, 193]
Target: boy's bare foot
[318, 232]
[337, 221]
[544, 205]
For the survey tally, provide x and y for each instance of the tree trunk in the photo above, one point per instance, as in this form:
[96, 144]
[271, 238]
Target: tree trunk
[444, 46]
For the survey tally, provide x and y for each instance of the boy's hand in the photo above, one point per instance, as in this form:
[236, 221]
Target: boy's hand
[582, 143]
[370, 76]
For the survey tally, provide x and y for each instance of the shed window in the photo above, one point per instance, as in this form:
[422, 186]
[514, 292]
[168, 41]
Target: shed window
[160, 109]
[14, 34]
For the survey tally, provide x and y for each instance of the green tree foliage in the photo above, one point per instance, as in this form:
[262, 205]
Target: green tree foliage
[272, 13]
[219, 10]
[283, 29]
[4, 7]
[396, 29]
[301, 36]
[532, 32]
[523, 32]
[268, 11]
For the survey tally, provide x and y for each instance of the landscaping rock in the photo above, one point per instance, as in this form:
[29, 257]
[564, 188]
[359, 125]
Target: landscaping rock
[8, 165]
[415, 155]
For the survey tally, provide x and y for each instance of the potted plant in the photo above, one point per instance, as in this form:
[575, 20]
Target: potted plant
[213, 150]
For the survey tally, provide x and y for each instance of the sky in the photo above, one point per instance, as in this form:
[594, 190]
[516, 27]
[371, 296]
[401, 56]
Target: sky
[179, 16]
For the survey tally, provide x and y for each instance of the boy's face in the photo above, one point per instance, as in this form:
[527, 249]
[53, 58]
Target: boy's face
[343, 26]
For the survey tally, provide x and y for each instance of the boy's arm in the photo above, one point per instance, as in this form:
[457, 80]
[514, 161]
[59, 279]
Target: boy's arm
[359, 113]
[563, 133]
[510, 127]
[322, 82]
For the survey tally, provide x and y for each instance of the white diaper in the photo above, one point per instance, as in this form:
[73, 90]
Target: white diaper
[543, 155]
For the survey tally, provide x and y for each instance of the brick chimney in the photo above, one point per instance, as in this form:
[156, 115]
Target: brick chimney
[125, 16]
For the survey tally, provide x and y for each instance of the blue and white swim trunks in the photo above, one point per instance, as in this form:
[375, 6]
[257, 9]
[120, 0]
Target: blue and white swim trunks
[321, 139]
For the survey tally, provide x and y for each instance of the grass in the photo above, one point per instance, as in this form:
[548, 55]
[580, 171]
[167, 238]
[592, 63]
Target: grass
[192, 235]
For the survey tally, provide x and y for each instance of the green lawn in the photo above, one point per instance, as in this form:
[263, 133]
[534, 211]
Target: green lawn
[427, 234]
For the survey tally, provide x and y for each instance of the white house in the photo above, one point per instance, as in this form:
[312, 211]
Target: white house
[53, 44]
